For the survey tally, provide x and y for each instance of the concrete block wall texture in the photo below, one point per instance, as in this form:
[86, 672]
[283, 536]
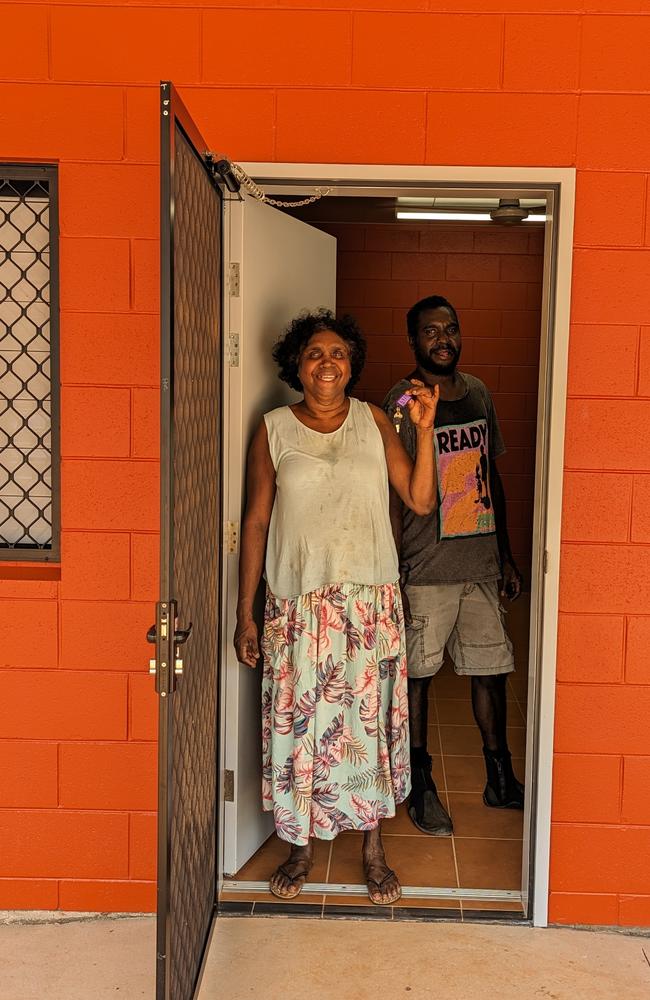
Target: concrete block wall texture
[493, 276]
[499, 82]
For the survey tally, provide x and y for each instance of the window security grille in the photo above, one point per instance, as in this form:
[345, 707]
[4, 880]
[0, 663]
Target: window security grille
[27, 528]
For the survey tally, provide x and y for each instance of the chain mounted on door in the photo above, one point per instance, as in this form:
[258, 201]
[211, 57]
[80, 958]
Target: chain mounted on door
[235, 177]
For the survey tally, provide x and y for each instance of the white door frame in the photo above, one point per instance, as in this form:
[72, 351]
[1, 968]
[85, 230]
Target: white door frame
[557, 185]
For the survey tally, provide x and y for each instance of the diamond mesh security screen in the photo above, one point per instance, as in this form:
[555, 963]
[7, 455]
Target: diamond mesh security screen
[196, 559]
[25, 385]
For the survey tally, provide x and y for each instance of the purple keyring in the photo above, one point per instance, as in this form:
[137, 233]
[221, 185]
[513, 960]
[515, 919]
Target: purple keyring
[403, 399]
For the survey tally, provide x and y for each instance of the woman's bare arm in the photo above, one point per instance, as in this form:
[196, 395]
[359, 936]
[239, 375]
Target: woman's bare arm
[260, 490]
[414, 482]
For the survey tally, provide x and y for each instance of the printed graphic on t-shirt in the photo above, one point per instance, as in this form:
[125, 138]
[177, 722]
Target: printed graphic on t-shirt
[462, 456]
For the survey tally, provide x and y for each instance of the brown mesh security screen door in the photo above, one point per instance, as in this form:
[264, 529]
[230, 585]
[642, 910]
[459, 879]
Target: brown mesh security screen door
[187, 626]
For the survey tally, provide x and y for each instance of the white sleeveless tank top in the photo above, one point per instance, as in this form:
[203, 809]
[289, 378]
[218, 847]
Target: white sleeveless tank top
[330, 521]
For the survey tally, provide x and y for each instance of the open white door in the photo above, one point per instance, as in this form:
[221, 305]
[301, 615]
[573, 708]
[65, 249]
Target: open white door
[284, 266]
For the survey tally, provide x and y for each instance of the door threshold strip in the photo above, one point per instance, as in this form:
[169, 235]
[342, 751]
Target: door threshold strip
[408, 891]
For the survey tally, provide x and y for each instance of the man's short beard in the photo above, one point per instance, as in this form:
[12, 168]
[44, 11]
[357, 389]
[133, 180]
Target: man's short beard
[429, 365]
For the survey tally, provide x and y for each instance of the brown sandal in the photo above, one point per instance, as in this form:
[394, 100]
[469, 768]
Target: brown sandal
[293, 879]
[379, 885]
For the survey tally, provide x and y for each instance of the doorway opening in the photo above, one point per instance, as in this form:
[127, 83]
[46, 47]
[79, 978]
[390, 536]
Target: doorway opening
[512, 300]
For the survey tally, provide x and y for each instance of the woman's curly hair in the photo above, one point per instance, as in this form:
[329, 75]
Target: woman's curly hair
[297, 335]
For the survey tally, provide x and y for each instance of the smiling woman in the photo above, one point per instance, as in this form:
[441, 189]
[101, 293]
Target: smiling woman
[291, 349]
[334, 701]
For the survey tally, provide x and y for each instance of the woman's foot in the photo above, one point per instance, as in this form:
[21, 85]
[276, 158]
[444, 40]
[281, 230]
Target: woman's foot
[383, 884]
[289, 877]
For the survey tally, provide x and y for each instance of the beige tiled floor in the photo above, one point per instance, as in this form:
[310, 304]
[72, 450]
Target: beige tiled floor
[486, 849]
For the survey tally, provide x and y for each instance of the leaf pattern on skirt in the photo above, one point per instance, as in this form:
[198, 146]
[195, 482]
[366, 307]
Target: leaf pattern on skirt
[334, 710]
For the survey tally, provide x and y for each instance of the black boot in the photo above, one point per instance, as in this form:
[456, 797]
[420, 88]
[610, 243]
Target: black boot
[425, 808]
[502, 791]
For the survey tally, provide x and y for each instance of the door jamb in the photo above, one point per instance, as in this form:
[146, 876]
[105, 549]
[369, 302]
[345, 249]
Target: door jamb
[557, 184]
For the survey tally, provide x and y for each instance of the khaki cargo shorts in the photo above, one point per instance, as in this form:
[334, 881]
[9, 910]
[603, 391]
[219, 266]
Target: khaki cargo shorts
[467, 619]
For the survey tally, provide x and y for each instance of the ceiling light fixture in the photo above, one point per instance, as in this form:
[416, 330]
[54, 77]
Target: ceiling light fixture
[425, 216]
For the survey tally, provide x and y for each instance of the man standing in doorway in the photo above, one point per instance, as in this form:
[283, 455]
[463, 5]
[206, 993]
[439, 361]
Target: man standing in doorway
[451, 563]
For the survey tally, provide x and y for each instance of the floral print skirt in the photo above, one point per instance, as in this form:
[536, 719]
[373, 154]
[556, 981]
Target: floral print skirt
[334, 710]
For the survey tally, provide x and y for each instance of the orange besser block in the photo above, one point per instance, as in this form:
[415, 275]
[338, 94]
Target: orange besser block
[29, 637]
[109, 495]
[95, 422]
[110, 349]
[600, 660]
[107, 896]
[143, 708]
[95, 274]
[124, 44]
[133, 187]
[128, 649]
[470, 58]
[82, 552]
[29, 894]
[64, 843]
[64, 705]
[596, 908]
[636, 782]
[587, 788]
[117, 776]
[145, 432]
[29, 774]
[591, 858]
[142, 846]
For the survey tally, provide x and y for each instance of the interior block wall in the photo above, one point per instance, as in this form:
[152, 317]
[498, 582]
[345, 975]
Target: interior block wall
[493, 277]
[479, 82]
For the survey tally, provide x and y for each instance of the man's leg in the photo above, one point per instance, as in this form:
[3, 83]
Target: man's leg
[481, 648]
[425, 808]
[425, 649]
[490, 710]
[418, 690]
[482, 643]
[502, 790]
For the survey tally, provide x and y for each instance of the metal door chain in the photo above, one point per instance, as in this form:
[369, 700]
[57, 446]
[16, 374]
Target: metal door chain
[235, 177]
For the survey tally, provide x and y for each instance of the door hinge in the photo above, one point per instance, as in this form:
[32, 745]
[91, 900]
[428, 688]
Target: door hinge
[232, 537]
[229, 786]
[234, 273]
[545, 561]
[233, 350]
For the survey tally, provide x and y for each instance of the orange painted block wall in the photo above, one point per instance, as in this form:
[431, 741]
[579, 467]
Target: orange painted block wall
[499, 82]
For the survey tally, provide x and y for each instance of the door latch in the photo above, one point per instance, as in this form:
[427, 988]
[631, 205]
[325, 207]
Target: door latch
[158, 634]
[181, 635]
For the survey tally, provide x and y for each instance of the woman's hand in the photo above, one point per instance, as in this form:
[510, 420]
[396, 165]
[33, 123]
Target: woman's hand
[247, 644]
[423, 403]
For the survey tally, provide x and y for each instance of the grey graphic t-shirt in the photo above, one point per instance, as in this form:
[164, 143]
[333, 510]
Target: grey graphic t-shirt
[457, 543]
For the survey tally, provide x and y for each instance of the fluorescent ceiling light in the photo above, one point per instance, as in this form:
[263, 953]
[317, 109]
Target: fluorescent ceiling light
[445, 216]
[456, 216]
[462, 204]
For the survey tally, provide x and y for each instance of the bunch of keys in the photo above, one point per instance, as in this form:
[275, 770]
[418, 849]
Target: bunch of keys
[399, 413]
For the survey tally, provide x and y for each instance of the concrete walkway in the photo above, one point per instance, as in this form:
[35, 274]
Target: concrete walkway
[284, 959]
[289, 959]
[78, 960]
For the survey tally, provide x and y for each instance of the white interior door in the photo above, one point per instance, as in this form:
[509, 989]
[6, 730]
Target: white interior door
[284, 266]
